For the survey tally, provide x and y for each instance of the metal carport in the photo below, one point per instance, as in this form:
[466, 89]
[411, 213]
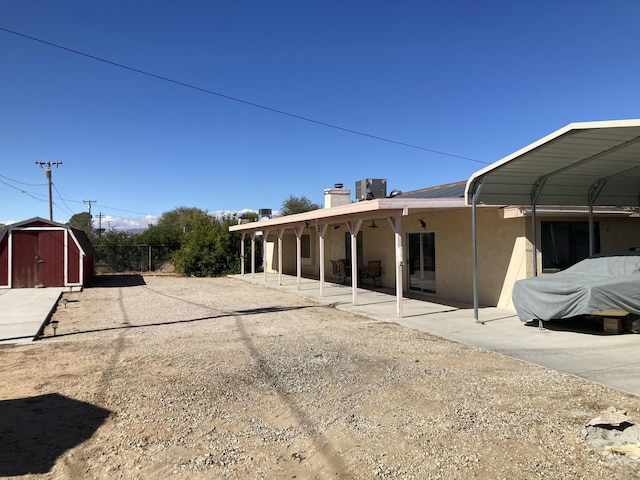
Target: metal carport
[583, 164]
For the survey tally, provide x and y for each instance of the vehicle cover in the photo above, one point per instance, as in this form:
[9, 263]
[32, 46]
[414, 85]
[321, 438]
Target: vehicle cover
[599, 283]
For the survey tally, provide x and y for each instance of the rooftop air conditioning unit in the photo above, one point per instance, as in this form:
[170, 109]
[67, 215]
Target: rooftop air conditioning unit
[370, 188]
[264, 213]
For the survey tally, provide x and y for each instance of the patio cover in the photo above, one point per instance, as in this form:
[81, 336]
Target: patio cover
[583, 164]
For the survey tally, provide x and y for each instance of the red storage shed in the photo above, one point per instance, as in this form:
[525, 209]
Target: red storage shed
[42, 253]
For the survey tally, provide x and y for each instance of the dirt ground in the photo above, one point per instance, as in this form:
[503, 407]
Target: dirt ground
[172, 377]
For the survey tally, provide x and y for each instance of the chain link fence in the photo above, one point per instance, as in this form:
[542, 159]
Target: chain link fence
[134, 258]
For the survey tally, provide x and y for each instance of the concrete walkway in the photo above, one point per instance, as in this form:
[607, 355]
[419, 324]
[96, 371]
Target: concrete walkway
[23, 312]
[574, 348]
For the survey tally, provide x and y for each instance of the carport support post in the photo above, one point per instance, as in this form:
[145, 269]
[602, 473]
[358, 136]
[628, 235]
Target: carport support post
[322, 230]
[474, 242]
[534, 232]
[591, 233]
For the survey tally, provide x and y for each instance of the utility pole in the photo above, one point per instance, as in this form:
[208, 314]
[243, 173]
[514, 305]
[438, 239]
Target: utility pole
[47, 174]
[89, 202]
[100, 216]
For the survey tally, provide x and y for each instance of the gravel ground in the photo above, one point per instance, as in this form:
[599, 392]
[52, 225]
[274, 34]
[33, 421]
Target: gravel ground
[171, 377]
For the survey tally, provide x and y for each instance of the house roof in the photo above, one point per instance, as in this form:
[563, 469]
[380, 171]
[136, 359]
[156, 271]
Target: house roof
[364, 210]
[585, 163]
[450, 190]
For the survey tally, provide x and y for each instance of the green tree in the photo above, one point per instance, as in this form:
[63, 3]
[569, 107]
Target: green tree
[180, 218]
[297, 205]
[82, 221]
[208, 248]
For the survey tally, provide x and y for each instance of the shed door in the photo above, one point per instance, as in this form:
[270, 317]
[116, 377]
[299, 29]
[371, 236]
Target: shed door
[25, 265]
[38, 259]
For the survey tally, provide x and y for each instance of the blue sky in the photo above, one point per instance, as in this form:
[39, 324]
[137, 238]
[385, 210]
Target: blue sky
[468, 79]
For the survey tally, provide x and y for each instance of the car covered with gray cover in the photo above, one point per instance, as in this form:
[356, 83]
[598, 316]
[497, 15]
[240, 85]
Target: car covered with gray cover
[599, 283]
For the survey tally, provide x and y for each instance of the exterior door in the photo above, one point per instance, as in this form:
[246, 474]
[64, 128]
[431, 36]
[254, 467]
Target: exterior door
[422, 262]
[38, 259]
[25, 271]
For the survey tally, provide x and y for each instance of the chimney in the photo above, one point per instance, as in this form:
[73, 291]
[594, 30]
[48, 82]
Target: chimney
[336, 196]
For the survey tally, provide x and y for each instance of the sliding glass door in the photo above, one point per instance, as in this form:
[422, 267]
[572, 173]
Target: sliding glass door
[422, 262]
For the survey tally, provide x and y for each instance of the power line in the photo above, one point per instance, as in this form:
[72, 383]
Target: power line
[23, 183]
[31, 194]
[239, 100]
[69, 211]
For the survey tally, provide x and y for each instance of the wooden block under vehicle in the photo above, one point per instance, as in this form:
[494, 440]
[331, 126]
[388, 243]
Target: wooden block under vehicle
[612, 325]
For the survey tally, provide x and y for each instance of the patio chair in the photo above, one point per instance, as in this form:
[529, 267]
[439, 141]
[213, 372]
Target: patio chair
[374, 271]
[336, 270]
[345, 268]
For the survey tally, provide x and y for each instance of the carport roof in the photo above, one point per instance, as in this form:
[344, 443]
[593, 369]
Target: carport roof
[583, 163]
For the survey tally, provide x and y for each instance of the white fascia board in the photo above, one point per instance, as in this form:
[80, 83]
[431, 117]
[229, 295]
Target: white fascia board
[377, 208]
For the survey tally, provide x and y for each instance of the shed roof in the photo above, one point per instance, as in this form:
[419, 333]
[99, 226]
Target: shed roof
[38, 222]
[583, 163]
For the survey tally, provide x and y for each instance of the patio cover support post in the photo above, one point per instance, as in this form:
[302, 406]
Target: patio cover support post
[354, 228]
[253, 254]
[322, 230]
[298, 230]
[242, 252]
[265, 234]
[395, 223]
[280, 232]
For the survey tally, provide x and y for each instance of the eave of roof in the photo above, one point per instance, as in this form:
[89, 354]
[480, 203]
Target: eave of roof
[365, 210]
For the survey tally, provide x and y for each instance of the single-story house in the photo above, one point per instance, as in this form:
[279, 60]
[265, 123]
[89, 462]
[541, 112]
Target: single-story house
[470, 241]
[42, 253]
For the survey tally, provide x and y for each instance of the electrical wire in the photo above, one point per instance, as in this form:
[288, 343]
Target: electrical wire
[69, 211]
[239, 100]
[23, 183]
[31, 194]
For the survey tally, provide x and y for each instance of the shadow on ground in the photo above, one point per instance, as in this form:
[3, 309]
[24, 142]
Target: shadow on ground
[119, 280]
[580, 324]
[38, 430]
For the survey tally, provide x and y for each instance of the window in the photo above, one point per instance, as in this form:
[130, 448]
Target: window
[566, 243]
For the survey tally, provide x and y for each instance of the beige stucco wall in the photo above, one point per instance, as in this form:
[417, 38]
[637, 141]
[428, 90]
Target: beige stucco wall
[501, 254]
[619, 234]
[504, 250]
